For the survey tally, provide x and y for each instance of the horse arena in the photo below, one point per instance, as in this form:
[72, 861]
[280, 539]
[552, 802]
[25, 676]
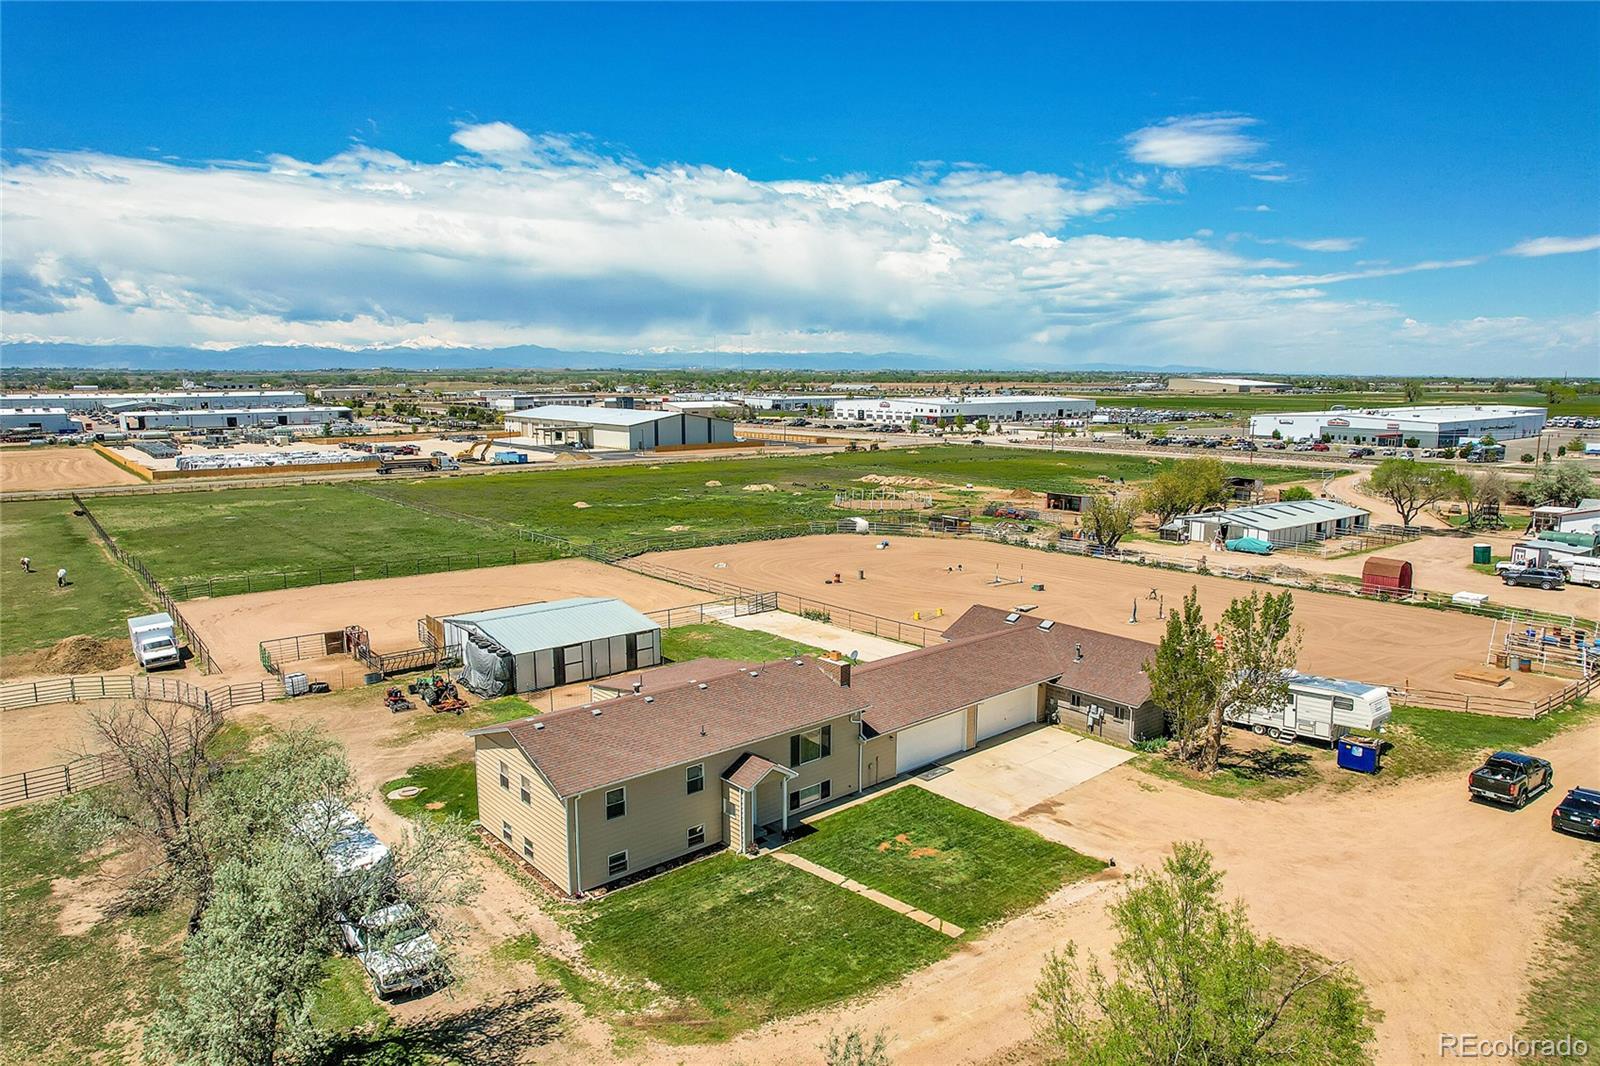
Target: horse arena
[917, 578]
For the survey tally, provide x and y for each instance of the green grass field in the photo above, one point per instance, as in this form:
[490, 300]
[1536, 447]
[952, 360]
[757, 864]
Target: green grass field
[941, 857]
[351, 531]
[35, 612]
[737, 942]
[1422, 740]
[717, 641]
[452, 786]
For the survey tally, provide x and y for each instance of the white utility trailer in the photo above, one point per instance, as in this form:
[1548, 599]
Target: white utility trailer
[1320, 708]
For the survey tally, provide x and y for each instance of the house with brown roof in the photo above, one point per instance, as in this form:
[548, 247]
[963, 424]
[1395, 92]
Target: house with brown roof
[713, 756]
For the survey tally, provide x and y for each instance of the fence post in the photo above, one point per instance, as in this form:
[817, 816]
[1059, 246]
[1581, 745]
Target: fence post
[66, 776]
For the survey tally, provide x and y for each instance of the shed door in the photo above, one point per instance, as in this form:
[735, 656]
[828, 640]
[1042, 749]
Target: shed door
[920, 745]
[1004, 713]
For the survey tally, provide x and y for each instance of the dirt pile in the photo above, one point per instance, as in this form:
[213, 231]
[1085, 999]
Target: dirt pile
[901, 480]
[83, 655]
[762, 486]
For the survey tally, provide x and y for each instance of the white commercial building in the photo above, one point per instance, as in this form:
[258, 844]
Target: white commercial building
[231, 418]
[190, 399]
[784, 401]
[1430, 427]
[615, 429]
[513, 400]
[42, 419]
[930, 409]
[1220, 385]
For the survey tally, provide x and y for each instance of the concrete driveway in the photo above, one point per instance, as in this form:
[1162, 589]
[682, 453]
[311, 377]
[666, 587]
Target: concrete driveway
[1008, 774]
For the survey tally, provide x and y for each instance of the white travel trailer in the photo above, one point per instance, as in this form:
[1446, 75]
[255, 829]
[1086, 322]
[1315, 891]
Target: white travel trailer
[1320, 708]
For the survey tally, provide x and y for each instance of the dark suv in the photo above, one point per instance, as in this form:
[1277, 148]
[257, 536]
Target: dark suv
[1579, 813]
[1535, 576]
[1511, 778]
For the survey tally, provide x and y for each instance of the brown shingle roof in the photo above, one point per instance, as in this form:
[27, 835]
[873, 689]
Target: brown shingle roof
[748, 770]
[577, 750]
[663, 677]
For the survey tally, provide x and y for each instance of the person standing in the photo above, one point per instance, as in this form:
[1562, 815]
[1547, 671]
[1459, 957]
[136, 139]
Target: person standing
[61, 578]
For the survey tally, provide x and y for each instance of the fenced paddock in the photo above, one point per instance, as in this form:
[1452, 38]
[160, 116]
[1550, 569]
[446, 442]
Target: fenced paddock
[135, 687]
[58, 780]
[882, 499]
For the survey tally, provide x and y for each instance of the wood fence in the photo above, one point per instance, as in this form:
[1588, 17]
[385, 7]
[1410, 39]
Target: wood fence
[135, 686]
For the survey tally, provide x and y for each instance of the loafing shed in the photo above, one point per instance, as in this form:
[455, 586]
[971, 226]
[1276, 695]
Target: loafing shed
[544, 645]
[1386, 575]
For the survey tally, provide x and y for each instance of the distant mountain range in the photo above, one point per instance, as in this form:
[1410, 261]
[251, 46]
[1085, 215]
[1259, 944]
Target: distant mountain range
[527, 356]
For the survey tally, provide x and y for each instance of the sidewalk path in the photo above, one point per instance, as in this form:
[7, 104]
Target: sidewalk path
[938, 925]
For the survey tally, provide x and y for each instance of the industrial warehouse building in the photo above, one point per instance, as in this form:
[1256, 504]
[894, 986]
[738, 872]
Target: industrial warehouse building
[512, 400]
[545, 645]
[1430, 427]
[613, 429]
[930, 409]
[785, 401]
[593, 794]
[85, 400]
[1280, 524]
[38, 419]
[231, 418]
[1204, 386]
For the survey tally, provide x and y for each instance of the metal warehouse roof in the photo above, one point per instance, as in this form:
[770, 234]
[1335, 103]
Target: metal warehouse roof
[536, 626]
[1281, 515]
[598, 416]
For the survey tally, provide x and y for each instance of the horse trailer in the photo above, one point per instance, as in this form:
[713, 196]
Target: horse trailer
[1320, 708]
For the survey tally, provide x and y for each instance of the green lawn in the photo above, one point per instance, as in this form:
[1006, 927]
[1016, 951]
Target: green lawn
[1422, 740]
[736, 942]
[717, 641]
[452, 785]
[423, 722]
[1245, 773]
[36, 614]
[941, 857]
[352, 531]
[69, 997]
[1564, 997]
[344, 1001]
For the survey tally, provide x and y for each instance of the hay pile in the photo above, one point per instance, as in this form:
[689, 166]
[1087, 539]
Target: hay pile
[84, 655]
[713, 484]
[901, 480]
[762, 486]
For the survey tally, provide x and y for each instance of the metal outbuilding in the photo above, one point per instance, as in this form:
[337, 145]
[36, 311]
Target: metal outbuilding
[544, 645]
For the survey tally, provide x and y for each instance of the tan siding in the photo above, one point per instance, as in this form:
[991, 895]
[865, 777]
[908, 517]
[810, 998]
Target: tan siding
[972, 728]
[879, 750]
[660, 812]
[543, 820]
[733, 820]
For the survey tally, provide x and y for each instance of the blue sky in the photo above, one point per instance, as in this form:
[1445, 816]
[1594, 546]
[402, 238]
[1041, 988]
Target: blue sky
[1281, 186]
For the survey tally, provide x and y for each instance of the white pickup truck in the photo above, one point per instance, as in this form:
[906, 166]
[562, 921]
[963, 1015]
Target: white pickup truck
[154, 640]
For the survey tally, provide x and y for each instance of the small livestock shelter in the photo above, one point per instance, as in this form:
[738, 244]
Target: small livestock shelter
[950, 523]
[1392, 576]
[1076, 502]
[1283, 525]
[1246, 489]
[544, 645]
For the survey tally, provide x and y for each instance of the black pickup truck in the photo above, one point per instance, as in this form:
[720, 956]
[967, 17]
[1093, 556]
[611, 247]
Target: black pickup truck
[1510, 778]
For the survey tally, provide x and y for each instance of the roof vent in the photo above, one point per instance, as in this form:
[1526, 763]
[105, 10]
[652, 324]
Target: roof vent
[538, 725]
[649, 699]
[755, 673]
[1011, 619]
[1077, 653]
[595, 712]
[1047, 624]
[701, 686]
[799, 662]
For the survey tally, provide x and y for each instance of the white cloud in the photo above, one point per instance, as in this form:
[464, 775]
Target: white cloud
[492, 138]
[1540, 246]
[1321, 244]
[543, 239]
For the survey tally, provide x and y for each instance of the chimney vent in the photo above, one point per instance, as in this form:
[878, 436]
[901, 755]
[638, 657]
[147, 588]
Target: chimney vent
[649, 699]
[595, 712]
[538, 725]
[702, 686]
[838, 669]
[638, 683]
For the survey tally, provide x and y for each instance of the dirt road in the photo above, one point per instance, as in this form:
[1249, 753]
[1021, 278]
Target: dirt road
[1387, 644]
[234, 626]
[37, 469]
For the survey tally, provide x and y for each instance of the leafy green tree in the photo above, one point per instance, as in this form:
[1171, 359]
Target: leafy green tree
[916, 425]
[982, 425]
[1185, 487]
[1413, 391]
[1483, 493]
[1183, 675]
[1257, 645]
[1194, 984]
[1411, 487]
[1108, 519]
[1295, 492]
[1558, 485]
[961, 421]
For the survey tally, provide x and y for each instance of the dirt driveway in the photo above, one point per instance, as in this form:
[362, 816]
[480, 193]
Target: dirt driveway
[1007, 775]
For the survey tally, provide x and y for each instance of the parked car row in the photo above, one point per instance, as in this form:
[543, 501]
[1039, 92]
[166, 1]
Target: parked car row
[1512, 779]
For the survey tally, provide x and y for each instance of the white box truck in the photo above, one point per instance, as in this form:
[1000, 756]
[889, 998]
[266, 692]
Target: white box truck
[154, 640]
[1320, 708]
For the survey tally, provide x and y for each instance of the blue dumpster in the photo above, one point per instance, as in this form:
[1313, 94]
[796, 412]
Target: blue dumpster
[1359, 754]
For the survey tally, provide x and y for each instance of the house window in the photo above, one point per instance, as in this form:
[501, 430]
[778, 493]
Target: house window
[505, 777]
[697, 835]
[695, 778]
[728, 808]
[527, 849]
[505, 832]
[810, 746]
[805, 797]
[616, 803]
[1119, 712]
[527, 789]
[617, 864]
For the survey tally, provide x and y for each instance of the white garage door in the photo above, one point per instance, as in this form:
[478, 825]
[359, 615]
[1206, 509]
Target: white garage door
[922, 744]
[1005, 712]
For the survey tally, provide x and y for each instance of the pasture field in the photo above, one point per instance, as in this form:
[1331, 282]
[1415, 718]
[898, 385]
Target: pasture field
[193, 536]
[34, 613]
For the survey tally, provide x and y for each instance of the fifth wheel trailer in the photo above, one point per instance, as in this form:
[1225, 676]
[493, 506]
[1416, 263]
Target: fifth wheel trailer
[1321, 708]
